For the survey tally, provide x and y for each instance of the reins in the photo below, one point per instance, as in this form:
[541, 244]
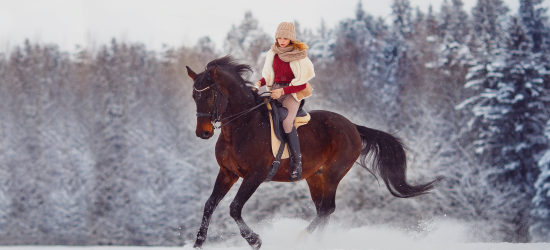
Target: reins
[216, 118]
[241, 113]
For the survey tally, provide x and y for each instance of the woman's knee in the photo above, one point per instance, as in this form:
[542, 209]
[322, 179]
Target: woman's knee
[291, 104]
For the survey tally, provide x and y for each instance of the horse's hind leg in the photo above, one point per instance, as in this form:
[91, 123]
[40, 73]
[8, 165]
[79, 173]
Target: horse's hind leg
[250, 183]
[323, 193]
[224, 182]
[315, 183]
[325, 208]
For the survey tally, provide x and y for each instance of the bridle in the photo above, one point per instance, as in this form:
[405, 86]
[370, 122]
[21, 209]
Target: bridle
[214, 115]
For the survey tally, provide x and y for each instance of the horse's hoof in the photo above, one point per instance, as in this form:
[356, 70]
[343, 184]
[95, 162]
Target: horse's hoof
[254, 241]
[257, 245]
[198, 244]
[303, 237]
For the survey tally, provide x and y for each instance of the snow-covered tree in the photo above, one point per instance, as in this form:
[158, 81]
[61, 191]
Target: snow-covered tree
[534, 19]
[510, 112]
[402, 17]
[540, 228]
[206, 49]
[488, 22]
[247, 41]
[455, 24]
[454, 53]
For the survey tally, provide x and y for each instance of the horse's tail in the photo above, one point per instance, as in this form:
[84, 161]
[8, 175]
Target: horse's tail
[389, 162]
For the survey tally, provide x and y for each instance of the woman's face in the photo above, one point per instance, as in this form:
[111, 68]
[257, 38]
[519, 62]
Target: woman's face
[283, 41]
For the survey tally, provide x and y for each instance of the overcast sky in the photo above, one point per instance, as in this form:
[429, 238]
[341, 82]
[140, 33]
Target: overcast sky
[91, 22]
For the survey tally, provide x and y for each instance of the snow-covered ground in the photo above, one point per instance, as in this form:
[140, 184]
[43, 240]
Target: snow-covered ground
[282, 234]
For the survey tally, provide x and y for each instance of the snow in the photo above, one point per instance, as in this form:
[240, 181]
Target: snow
[282, 234]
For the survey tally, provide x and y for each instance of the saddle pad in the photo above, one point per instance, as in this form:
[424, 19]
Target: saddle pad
[275, 142]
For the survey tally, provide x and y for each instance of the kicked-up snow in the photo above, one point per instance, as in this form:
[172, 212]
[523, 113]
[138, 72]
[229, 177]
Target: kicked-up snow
[283, 234]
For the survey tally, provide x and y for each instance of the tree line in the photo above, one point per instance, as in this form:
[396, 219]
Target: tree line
[99, 148]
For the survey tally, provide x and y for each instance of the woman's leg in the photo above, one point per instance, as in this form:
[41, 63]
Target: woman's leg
[295, 168]
[292, 106]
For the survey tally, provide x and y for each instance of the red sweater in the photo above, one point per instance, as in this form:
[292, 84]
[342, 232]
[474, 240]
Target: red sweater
[283, 74]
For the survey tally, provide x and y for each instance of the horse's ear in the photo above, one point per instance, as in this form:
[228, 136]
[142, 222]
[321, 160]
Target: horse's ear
[191, 73]
[215, 72]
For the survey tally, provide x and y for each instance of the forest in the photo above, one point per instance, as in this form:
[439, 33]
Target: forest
[98, 147]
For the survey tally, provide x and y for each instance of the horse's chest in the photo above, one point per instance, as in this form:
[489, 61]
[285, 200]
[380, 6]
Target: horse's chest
[242, 149]
[231, 157]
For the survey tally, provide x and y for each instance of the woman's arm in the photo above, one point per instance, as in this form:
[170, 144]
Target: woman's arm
[293, 89]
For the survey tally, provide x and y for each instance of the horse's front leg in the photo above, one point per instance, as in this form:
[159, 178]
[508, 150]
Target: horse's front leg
[250, 183]
[224, 182]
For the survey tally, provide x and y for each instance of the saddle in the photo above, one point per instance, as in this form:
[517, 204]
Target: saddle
[278, 114]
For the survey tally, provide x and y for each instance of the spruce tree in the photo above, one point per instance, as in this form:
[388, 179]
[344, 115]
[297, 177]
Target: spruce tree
[540, 228]
[402, 17]
[454, 21]
[534, 19]
[247, 41]
[488, 19]
[510, 114]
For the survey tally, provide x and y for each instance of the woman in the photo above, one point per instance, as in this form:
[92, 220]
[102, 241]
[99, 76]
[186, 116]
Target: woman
[286, 73]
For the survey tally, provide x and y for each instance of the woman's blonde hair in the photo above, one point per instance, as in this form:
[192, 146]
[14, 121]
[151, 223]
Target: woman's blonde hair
[300, 46]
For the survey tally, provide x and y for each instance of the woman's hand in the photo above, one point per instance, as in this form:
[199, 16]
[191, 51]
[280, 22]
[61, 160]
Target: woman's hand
[258, 85]
[275, 94]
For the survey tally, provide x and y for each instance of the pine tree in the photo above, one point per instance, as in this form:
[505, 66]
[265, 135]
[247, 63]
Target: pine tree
[247, 41]
[488, 19]
[112, 187]
[431, 22]
[454, 55]
[455, 24]
[534, 19]
[359, 12]
[402, 17]
[510, 112]
[540, 228]
[206, 49]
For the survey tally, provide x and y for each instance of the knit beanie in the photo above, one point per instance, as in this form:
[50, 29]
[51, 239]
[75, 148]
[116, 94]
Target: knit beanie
[286, 30]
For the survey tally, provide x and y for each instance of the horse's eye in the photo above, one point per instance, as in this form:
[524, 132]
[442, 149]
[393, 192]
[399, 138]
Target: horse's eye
[211, 98]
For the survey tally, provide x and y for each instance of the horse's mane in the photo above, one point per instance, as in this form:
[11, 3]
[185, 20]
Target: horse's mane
[231, 66]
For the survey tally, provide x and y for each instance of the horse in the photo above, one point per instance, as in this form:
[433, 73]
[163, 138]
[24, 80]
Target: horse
[331, 144]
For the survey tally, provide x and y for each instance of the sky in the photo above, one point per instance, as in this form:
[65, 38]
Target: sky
[91, 23]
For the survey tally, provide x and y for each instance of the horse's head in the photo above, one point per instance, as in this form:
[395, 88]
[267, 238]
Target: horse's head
[211, 99]
[212, 88]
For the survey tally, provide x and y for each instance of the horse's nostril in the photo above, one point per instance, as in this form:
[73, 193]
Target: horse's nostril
[206, 134]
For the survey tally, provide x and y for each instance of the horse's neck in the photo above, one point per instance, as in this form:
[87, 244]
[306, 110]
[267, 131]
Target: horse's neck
[240, 101]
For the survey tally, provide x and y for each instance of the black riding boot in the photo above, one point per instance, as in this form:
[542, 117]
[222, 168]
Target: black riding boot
[295, 169]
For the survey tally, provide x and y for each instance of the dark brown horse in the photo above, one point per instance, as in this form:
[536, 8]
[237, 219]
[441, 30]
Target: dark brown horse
[330, 144]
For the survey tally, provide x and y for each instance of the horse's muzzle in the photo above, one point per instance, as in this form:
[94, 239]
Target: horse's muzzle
[205, 130]
[205, 135]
